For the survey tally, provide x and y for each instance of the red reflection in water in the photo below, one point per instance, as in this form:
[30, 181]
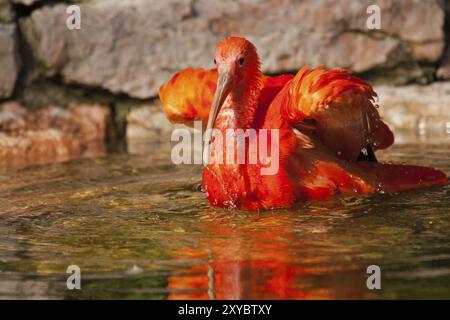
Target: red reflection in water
[242, 263]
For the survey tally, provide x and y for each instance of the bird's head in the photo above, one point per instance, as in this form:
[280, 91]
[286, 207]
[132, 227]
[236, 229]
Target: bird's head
[237, 64]
[236, 60]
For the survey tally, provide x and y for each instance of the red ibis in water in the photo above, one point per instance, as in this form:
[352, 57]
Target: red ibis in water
[328, 128]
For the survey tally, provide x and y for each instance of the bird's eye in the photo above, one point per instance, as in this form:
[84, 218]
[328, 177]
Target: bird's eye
[241, 61]
[215, 62]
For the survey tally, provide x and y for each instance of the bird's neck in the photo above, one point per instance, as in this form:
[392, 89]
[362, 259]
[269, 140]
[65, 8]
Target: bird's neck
[239, 108]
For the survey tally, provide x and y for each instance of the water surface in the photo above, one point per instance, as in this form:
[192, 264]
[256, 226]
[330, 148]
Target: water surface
[138, 228]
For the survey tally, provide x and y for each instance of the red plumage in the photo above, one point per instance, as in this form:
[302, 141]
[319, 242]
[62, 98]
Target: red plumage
[324, 119]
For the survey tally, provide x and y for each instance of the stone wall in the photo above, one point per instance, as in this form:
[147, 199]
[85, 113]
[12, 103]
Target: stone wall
[131, 47]
[126, 49]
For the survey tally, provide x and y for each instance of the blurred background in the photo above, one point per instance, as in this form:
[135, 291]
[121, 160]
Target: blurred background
[72, 93]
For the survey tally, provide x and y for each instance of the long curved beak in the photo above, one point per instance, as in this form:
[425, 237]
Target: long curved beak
[224, 81]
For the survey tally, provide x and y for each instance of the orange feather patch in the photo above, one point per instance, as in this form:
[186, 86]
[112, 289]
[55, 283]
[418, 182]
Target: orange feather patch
[188, 95]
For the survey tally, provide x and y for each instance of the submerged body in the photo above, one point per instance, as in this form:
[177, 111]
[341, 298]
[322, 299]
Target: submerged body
[327, 127]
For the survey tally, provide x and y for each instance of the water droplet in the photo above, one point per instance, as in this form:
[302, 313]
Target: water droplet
[364, 152]
[421, 126]
[179, 230]
[134, 270]
[380, 188]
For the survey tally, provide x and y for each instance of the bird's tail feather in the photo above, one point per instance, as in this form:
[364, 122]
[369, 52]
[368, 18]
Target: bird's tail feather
[397, 177]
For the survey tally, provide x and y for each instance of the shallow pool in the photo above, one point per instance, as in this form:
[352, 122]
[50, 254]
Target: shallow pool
[138, 228]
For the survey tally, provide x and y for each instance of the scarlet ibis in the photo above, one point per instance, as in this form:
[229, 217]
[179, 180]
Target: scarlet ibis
[328, 130]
